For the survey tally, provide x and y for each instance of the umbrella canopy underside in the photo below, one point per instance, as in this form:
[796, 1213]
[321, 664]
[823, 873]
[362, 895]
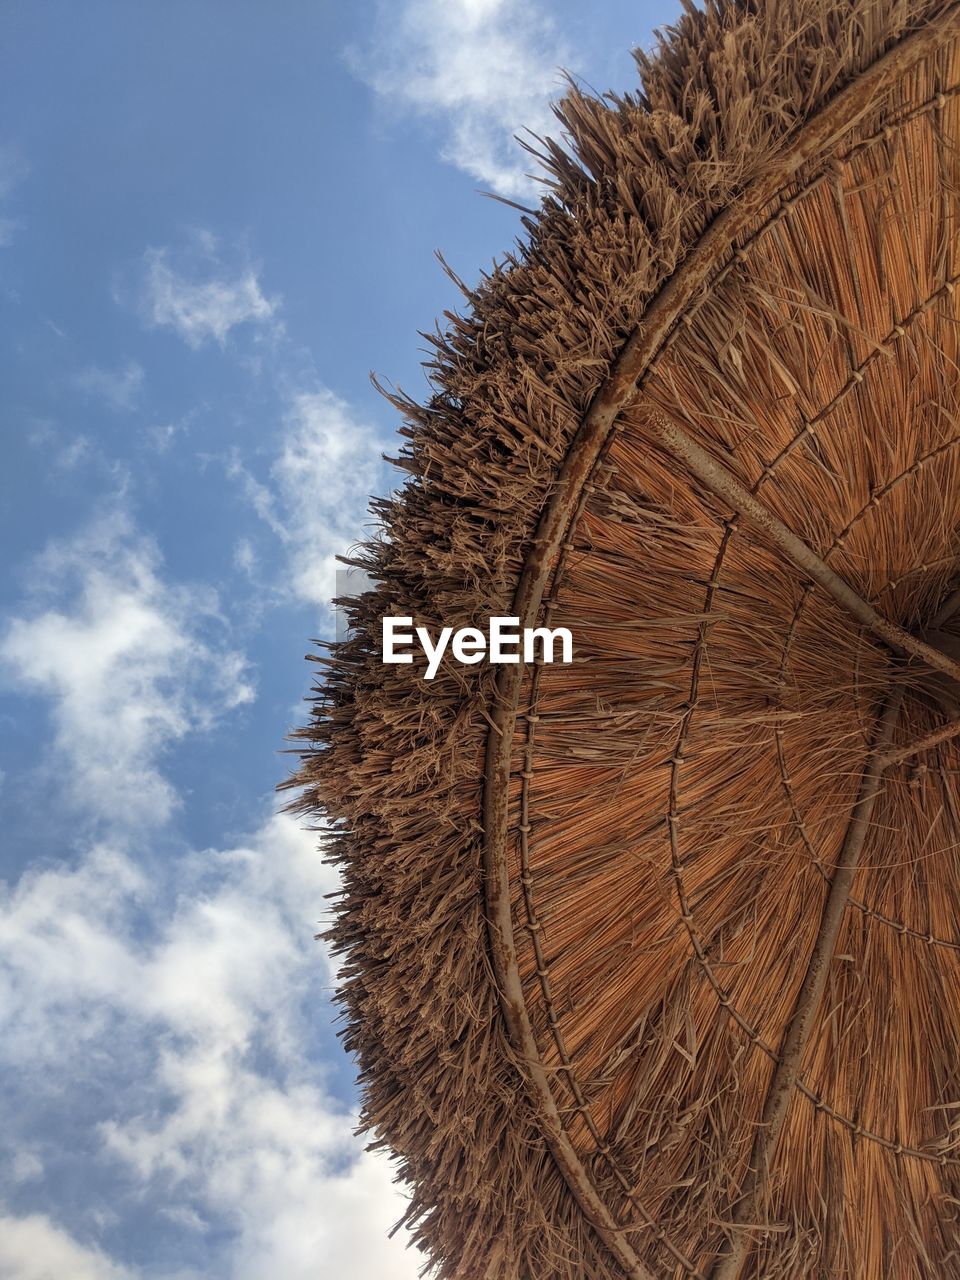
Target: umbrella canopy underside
[651, 962]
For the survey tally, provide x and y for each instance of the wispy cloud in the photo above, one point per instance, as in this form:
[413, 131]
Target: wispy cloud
[184, 991]
[191, 1070]
[13, 170]
[481, 70]
[161, 436]
[201, 297]
[129, 662]
[35, 1248]
[119, 388]
[73, 454]
[187, 988]
[316, 496]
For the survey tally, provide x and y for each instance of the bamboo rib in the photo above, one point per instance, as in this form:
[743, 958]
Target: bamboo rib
[726, 486]
[931, 739]
[780, 1091]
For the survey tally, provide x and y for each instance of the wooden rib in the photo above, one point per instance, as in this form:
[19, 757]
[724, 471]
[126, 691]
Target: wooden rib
[780, 1091]
[931, 739]
[614, 394]
[724, 484]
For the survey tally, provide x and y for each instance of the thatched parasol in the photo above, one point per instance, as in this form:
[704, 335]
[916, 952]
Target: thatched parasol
[652, 961]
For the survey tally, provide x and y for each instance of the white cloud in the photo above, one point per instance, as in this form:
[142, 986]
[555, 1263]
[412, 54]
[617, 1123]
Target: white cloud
[119, 389]
[26, 1166]
[483, 70]
[203, 299]
[218, 1120]
[245, 557]
[160, 438]
[127, 662]
[34, 1248]
[320, 484]
[71, 455]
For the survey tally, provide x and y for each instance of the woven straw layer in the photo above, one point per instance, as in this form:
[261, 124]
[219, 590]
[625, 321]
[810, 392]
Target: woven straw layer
[677, 801]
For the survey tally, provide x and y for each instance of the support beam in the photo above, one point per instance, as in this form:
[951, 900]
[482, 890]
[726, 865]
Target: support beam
[931, 739]
[725, 485]
[748, 1209]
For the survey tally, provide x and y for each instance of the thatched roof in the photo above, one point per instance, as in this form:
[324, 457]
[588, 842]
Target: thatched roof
[651, 962]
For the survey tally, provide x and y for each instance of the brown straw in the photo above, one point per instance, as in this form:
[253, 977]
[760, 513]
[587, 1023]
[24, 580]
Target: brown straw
[650, 962]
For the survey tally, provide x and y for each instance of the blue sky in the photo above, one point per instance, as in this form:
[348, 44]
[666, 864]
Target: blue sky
[216, 218]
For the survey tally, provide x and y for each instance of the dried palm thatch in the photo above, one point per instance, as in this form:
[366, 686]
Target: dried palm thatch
[652, 962]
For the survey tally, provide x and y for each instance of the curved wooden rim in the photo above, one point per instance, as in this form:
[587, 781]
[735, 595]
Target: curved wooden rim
[621, 386]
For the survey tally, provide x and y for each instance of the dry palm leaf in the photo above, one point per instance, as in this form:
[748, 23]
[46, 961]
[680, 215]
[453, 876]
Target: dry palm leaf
[652, 961]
